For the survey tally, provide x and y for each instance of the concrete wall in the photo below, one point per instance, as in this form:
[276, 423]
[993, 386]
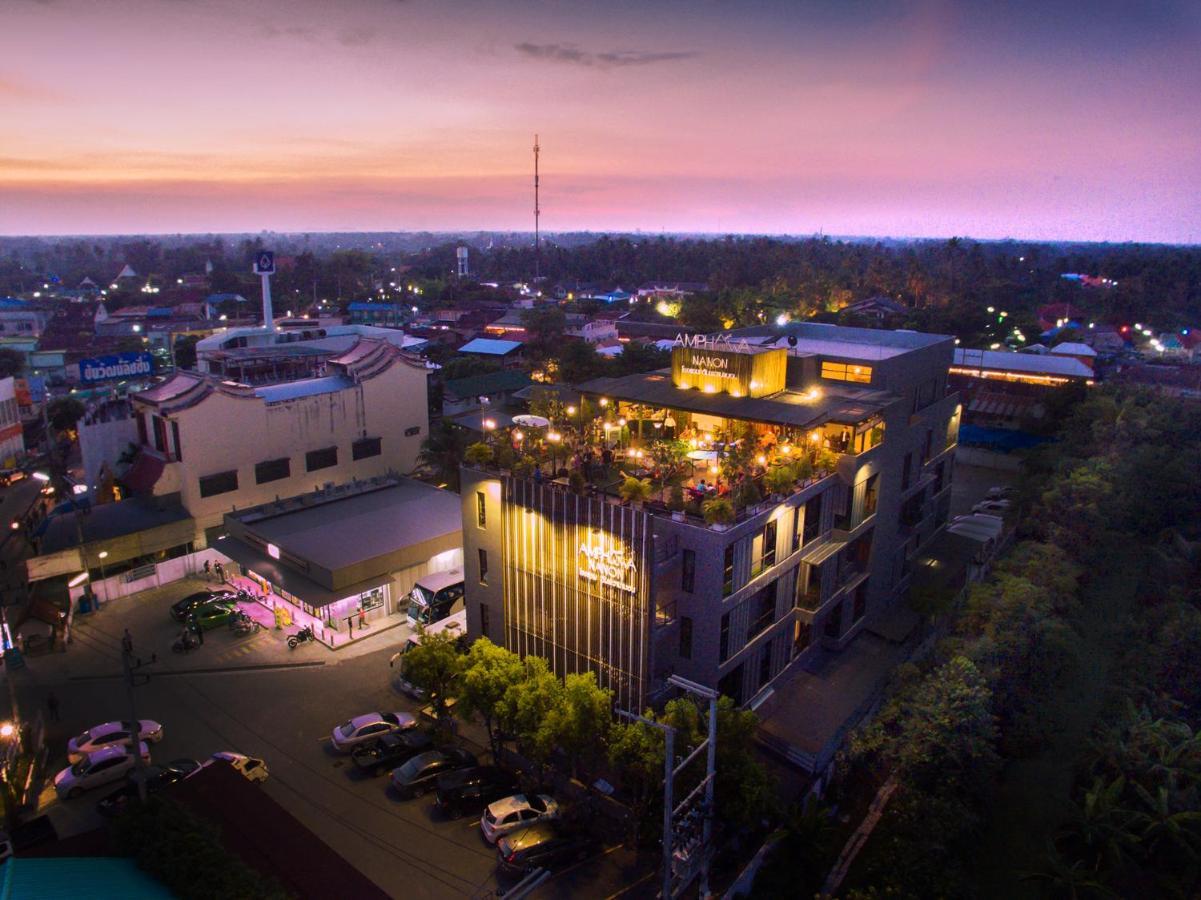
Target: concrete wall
[104, 442]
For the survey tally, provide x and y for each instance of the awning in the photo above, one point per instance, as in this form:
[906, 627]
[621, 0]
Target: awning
[142, 475]
[293, 582]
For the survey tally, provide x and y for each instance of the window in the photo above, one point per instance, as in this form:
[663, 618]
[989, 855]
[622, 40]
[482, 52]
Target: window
[813, 519]
[871, 495]
[481, 510]
[842, 508]
[321, 459]
[413, 431]
[484, 619]
[688, 571]
[860, 602]
[802, 633]
[796, 529]
[723, 647]
[927, 445]
[685, 637]
[833, 626]
[143, 437]
[272, 470]
[483, 565]
[365, 447]
[763, 549]
[175, 440]
[160, 435]
[765, 666]
[940, 474]
[761, 611]
[836, 371]
[905, 472]
[221, 483]
[727, 586]
[809, 586]
[731, 685]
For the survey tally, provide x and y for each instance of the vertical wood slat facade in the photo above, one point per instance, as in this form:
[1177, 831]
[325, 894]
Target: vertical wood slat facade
[590, 617]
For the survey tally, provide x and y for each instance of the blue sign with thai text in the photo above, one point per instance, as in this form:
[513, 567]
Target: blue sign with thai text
[118, 365]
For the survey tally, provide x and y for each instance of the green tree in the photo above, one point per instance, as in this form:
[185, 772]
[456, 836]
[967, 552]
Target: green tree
[12, 363]
[185, 351]
[578, 362]
[636, 754]
[487, 676]
[529, 703]
[580, 723]
[64, 412]
[442, 452]
[435, 665]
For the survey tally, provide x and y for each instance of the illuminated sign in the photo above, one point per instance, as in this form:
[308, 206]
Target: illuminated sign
[612, 567]
[714, 342]
[728, 367]
[273, 551]
[119, 365]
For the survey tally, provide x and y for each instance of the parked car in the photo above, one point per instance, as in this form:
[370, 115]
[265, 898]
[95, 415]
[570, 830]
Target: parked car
[111, 733]
[420, 773]
[181, 608]
[11, 476]
[214, 614]
[991, 506]
[96, 768]
[468, 790]
[157, 778]
[251, 767]
[368, 727]
[391, 750]
[1001, 493]
[544, 846]
[521, 810]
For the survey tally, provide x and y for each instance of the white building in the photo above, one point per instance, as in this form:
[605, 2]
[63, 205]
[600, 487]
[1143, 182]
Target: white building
[221, 445]
[306, 336]
[12, 435]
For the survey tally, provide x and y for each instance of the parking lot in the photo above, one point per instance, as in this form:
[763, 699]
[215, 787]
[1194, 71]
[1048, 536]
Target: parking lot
[252, 695]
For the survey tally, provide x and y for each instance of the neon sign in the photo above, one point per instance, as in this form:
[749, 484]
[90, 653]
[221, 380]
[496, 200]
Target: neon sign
[610, 567]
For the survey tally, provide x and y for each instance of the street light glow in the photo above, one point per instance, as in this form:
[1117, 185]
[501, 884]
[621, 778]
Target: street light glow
[41, 476]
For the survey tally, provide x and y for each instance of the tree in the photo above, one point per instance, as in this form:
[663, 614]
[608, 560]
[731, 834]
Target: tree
[544, 325]
[442, 451]
[580, 722]
[487, 676]
[185, 351]
[12, 363]
[435, 665]
[578, 362]
[636, 754]
[64, 412]
[527, 705]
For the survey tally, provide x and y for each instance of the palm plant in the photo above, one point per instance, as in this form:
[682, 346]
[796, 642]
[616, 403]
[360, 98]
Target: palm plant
[634, 490]
[442, 452]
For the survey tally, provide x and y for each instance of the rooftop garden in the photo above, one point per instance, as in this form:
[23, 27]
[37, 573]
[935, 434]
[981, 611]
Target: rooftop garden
[715, 471]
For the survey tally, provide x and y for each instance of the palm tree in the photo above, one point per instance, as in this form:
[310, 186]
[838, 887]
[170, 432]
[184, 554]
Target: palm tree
[442, 452]
[1069, 880]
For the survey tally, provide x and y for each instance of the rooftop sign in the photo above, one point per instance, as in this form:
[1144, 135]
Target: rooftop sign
[724, 366]
[118, 365]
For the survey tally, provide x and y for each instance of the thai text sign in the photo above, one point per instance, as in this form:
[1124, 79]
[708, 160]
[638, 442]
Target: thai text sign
[118, 365]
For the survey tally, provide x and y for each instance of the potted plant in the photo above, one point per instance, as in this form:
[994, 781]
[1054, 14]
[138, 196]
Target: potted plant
[478, 454]
[747, 493]
[577, 482]
[827, 460]
[718, 512]
[675, 502]
[635, 491]
[779, 480]
[804, 469]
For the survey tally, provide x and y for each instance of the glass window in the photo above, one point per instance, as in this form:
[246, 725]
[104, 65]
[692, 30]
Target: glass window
[833, 627]
[727, 587]
[483, 565]
[765, 666]
[321, 459]
[871, 495]
[802, 633]
[769, 544]
[731, 685]
[175, 440]
[860, 602]
[485, 619]
[220, 483]
[481, 509]
[688, 571]
[813, 519]
[796, 529]
[723, 648]
[272, 470]
[366, 447]
[685, 637]
[761, 611]
[905, 472]
[837, 371]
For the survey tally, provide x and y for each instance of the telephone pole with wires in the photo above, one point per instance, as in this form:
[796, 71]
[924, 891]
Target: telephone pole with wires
[537, 213]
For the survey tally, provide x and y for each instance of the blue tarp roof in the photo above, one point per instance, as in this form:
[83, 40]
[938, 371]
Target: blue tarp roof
[368, 307]
[490, 346]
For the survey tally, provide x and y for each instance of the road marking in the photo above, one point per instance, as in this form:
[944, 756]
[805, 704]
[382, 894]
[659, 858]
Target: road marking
[630, 887]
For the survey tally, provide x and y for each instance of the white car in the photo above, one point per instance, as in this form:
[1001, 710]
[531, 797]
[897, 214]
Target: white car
[516, 812]
[991, 506]
[368, 727]
[96, 768]
[1001, 493]
[251, 767]
[111, 733]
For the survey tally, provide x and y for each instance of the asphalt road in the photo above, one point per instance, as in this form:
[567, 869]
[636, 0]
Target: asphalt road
[285, 716]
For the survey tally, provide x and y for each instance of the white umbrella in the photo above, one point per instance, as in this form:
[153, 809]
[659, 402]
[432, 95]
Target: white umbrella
[531, 421]
[702, 454]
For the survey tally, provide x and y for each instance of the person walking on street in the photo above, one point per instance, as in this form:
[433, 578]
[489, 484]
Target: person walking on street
[220, 572]
[52, 705]
[362, 618]
[127, 642]
[208, 570]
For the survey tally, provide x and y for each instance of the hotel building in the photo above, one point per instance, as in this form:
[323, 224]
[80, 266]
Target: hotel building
[637, 592]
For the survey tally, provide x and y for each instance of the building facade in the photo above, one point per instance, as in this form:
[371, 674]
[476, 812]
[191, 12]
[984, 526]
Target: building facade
[638, 594]
[222, 445]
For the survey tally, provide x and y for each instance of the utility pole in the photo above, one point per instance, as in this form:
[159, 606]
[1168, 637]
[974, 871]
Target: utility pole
[537, 213]
[129, 666]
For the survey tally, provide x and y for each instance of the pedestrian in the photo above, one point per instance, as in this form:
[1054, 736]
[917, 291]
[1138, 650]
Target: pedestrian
[127, 642]
[52, 705]
[362, 618]
[220, 572]
[208, 570]
[196, 630]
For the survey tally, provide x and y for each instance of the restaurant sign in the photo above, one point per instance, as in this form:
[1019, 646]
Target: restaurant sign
[611, 566]
[728, 367]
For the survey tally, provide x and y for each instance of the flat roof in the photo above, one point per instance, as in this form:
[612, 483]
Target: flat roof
[783, 408]
[1033, 363]
[306, 387]
[490, 346]
[107, 521]
[359, 527]
[841, 340]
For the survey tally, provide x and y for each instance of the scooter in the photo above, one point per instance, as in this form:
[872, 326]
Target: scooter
[300, 637]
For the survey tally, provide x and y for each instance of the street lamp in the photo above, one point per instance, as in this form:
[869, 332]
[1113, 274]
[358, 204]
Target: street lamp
[41, 476]
[102, 556]
[7, 730]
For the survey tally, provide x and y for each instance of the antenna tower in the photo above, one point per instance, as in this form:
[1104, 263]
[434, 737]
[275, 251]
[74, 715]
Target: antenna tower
[537, 212]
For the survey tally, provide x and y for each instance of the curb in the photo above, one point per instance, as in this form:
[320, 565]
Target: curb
[212, 670]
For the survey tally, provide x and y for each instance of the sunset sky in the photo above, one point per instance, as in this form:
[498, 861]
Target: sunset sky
[1077, 120]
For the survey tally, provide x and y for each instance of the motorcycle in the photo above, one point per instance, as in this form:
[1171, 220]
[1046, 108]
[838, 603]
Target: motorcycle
[241, 623]
[185, 642]
[300, 637]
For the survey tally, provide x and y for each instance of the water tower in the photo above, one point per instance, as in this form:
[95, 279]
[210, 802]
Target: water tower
[461, 256]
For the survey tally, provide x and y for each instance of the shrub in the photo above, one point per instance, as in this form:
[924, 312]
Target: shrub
[718, 511]
[634, 490]
[479, 454]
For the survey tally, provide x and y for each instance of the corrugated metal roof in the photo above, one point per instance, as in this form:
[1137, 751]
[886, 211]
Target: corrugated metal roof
[1044, 364]
[490, 346]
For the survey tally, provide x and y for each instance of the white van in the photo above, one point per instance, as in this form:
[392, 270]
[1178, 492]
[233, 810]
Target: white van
[455, 624]
[435, 596]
